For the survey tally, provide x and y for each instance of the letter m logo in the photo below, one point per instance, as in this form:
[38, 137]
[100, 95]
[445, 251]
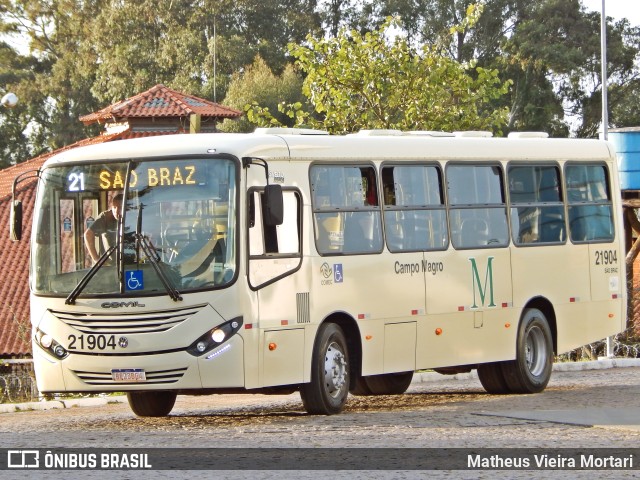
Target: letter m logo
[480, 288]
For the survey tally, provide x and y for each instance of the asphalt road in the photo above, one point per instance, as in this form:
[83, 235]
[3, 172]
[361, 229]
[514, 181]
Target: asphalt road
[579, 409]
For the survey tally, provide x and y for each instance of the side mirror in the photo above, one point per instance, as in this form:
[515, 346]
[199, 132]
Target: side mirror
[15, 221]
[273, 207]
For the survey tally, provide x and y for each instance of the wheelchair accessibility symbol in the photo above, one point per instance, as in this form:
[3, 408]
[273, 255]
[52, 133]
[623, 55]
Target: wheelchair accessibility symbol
[337, 273]
[134, 280]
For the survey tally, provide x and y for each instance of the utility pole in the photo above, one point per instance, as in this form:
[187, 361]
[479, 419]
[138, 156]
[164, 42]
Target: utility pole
[605, 111]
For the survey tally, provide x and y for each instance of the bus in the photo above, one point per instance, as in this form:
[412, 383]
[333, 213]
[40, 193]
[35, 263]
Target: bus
[292, 260]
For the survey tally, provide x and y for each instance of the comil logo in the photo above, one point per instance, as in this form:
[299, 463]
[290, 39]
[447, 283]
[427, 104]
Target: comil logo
[23, 459]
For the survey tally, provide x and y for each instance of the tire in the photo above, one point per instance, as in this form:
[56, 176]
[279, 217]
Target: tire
[389, 383]
[531, 370]
[327, 392]
[359, 387]
[492, 378]
[152, 403]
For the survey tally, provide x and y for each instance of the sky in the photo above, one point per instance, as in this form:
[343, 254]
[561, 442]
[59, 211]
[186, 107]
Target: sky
[617, 9]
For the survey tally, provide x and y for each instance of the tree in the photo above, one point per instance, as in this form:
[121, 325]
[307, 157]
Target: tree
[551, 51]
[53, 80]
[85, 54]
[181, 43]
[257, 84]
[358, 81]
[14, 144]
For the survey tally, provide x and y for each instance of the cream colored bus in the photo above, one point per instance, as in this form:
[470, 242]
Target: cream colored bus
[292, 260]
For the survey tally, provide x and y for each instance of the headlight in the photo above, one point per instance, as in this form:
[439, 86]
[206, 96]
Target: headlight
[48, 343]
[218, 335]
[215, 337]
[46, 340]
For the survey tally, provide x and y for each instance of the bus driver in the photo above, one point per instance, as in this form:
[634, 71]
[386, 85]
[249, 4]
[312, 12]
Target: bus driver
[105, 226]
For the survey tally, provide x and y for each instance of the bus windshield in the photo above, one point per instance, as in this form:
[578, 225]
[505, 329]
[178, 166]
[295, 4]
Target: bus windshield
[172, 229]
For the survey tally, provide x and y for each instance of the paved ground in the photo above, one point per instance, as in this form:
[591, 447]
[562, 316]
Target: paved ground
[593, 408]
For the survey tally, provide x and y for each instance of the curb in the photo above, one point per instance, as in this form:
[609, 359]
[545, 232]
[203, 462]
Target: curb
[418, 378]
[601, 364]
[60, 404]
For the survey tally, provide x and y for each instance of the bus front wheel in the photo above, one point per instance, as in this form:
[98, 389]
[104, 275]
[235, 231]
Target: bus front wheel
[531, 370]
[151, 404]
[327, 392]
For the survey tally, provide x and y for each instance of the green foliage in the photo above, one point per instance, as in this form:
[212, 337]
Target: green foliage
[359, 81]
[81, 55]
[258, 85]
[53, 80]
[436, 67]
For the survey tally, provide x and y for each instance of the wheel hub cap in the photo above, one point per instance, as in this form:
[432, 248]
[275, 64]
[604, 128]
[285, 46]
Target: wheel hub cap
[536, 351]
[335, 370]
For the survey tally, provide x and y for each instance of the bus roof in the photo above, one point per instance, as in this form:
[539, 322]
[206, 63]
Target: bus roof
[303, 146]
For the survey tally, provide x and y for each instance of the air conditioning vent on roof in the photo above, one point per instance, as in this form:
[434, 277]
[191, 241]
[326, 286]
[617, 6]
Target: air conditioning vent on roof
[378, 133]
[528, 135]
[289, 131]
[474, 134]
[430, 133]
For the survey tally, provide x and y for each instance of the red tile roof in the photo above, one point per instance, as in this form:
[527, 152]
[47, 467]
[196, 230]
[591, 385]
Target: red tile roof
[15, 326]
[160, 101]
[9, 174]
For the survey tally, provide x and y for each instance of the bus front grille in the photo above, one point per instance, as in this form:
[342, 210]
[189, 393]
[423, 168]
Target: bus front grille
[152, 377]
[126, 323]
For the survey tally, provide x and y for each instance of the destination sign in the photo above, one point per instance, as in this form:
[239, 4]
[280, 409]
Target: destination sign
[153, 175]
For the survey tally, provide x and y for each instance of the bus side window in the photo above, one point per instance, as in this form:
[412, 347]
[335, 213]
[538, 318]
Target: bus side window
[268, 239]
[274, 251]
[537, 209]
[590, 207]
[477, 207]
[346, 211]
[414, 212]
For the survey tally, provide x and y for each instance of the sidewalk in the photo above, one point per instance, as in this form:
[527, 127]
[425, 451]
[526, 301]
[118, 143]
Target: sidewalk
[418, 378]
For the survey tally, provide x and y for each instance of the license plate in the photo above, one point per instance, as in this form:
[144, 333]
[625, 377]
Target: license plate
[129, 375]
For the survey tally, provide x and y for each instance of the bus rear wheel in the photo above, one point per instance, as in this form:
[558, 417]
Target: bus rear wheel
[327, 392]
[151, 404]
[531, 370]
[492, 378]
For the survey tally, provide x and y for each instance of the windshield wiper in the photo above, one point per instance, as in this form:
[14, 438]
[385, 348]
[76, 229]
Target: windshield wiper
[71, 299]
[153, 257]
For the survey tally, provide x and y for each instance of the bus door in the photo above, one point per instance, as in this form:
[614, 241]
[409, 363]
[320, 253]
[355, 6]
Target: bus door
[275, 255]
[75, 215]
